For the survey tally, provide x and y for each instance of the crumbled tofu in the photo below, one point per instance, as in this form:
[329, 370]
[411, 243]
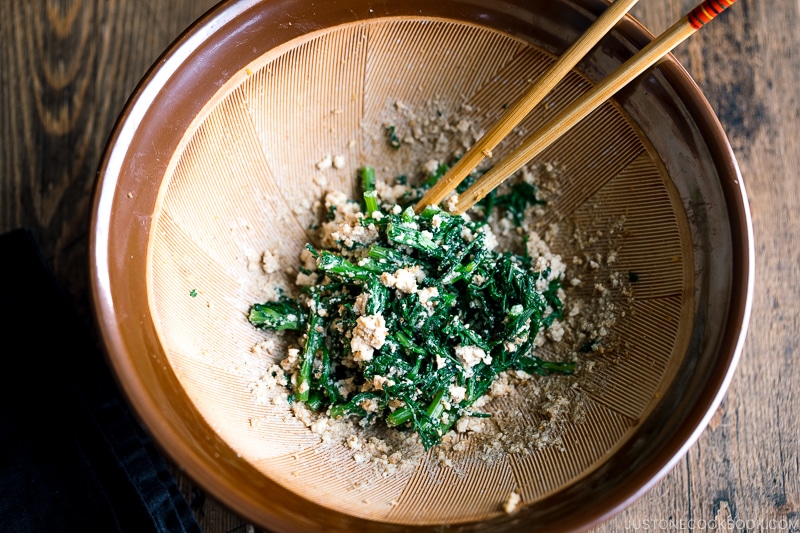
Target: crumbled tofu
[388, 280]
[500, 386]
[306, 279]
[451, 202]
[404, 279]
[512, 503]
[369, 405]
[536, 246]
[368, 335]
[263, 348]
[457, 394]
[430, 166]
[378, 382]
[390, 194]
[307, 259]
[352, 232]
[263, 388]
[339, 161]
[320, 425]
[290, 362]
[253, 261]
[599, 287]
[269, 262]
[490, 239]
[325, 163]
[426, 296]
[360, 305]
[346, 224]
[353, 442]
[469, 423]
[394, 403]
[336, 199]
[556, 331]
[471, 356]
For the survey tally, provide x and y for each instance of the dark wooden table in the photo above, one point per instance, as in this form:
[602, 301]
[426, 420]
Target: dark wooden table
[68, 66]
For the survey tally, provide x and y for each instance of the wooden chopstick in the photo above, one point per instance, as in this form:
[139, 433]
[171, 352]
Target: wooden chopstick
[519, 109]
[555, 128]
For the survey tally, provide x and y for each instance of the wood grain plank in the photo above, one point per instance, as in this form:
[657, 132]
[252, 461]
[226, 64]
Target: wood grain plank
[68, 68]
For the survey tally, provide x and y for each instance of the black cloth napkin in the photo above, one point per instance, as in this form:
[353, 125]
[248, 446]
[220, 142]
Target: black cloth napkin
[72, 455]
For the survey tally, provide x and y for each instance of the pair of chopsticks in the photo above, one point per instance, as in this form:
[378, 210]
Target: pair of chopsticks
[555, 128]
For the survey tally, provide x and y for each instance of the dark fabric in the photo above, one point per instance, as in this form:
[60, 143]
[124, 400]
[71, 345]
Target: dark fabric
[72, 456]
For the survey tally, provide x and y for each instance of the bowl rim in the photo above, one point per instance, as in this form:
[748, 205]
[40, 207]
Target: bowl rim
[178, 55]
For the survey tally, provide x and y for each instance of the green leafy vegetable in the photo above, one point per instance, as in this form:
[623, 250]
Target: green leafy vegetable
[414, 327]
[521, 195]
[283, 314]
[394, 141]
[368, 188]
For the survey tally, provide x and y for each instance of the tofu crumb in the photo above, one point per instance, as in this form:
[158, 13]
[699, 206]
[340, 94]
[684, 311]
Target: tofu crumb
[289, 364]
[426, 297]
[307, 260]
[263, 348]
[430, 166]
[325, 163]
[303, 279]
[360, 305]
[404, 279]
[512, 503]
[378, 382]
[368, 335]
[471, 356]
[451, 202]
[269, 262]
[457, 394]
[353, 442]
[469, 423]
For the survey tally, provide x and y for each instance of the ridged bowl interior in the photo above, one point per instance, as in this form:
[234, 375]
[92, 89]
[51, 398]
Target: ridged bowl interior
[236, 173]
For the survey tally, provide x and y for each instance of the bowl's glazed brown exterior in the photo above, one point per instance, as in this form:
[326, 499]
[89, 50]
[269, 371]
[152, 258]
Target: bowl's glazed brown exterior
[138, 200]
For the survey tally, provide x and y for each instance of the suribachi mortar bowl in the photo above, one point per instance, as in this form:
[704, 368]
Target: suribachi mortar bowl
[215, 159]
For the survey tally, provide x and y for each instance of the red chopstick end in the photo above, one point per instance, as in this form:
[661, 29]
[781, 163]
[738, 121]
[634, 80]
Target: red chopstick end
[707, 11]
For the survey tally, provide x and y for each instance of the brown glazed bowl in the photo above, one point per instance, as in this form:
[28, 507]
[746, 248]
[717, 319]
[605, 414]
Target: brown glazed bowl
[214, 159]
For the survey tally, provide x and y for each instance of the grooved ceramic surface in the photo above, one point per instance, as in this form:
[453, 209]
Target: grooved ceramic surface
[246, 181]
